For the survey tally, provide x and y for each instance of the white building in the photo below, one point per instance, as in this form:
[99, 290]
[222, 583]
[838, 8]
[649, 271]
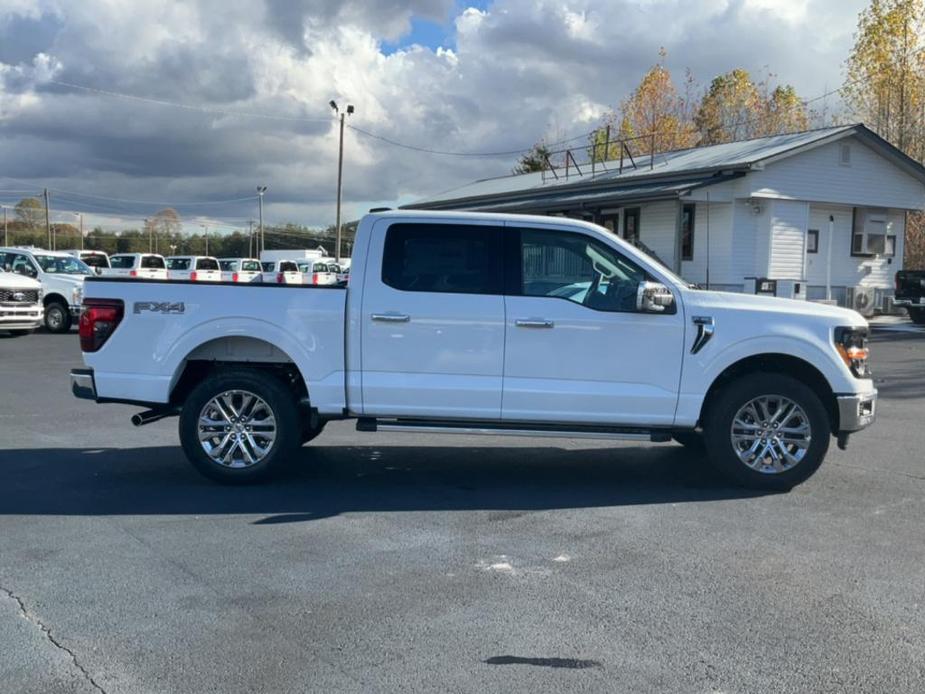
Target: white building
[796, 209]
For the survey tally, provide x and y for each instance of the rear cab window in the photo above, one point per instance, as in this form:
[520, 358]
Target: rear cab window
[122, 262]
[178, 264]
[152, 262]
[207, 264]
[288, 266]
[250, 266]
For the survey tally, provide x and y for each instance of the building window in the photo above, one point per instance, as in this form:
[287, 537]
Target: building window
[812, 241]
[687, 232]
[631, 224]
[844, 157]
[870, 234]
[446, 258]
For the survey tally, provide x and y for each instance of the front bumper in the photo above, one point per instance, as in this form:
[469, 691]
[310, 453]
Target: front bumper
[75, 311]
[14, 317]
[82, 384]
[857, 411]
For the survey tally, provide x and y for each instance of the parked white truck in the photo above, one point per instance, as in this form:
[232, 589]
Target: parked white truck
[20, 303]
[456, 323]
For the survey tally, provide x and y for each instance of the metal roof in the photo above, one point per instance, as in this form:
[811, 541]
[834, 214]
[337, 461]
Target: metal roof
[677, 166]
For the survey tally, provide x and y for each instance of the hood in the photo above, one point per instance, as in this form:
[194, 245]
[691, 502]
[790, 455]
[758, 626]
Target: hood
[76, 280]
[772, 304]
[12, 280]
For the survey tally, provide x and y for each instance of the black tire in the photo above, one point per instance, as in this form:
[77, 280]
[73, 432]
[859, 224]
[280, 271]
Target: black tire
[917, 315]
[718, 422]
[310, 433]
[57, 317]
[691, 440]
[280, 401]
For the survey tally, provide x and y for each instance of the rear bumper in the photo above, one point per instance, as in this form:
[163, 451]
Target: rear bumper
[857, 411]
[82, 384]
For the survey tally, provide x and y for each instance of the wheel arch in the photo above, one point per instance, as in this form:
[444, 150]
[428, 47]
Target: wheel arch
[771, 362]
[54, 297]
[238, 351]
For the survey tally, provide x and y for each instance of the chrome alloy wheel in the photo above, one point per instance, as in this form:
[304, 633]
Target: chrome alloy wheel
[771, 434]
[237, 429]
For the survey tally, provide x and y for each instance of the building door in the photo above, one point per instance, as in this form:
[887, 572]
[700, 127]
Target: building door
[631, 224]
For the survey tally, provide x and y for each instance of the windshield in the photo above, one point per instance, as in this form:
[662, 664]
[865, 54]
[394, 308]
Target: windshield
[63, 265]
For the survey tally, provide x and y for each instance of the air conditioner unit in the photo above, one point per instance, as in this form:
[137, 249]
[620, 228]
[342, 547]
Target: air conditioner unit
[862, 300]
[791, 289]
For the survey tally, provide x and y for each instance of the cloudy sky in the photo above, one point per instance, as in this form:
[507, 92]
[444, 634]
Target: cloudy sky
[122, 106]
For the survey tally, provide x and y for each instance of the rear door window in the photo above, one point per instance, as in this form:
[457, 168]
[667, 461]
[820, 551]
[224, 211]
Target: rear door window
[449, 258]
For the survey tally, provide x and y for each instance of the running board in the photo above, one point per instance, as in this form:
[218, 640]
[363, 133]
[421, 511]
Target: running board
[425, 426]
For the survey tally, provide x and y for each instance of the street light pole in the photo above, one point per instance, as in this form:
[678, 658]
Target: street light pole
[6, 230]
[340, 174]
[205, 231]
[261, 245]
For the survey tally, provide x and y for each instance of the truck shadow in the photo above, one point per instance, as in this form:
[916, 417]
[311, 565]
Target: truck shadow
[330, 480]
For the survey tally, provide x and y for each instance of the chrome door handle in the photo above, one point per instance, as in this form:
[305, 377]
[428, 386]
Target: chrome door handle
[391, 317]
[533, 323]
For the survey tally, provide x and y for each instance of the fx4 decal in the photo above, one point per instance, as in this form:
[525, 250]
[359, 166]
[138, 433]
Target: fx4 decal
[166, 307]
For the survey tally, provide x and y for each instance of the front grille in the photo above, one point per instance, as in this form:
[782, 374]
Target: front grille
[12, 296]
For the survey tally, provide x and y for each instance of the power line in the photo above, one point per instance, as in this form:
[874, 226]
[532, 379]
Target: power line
[189, 107]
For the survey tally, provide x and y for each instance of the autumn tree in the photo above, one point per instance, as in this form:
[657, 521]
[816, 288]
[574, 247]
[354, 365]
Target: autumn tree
[30, 212]
[885, 73]
[783, 112]
[533, 160]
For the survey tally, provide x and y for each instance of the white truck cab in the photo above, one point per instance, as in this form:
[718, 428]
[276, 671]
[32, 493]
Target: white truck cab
[21, 307]
[148, 266]
[194, 268]
[240, 270]
[317, 272]
[61, 276]
[484, 323]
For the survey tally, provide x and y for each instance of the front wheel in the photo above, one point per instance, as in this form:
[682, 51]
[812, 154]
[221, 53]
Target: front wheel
[767, 431]
[57, 317]
[239, 425]
[917, 315]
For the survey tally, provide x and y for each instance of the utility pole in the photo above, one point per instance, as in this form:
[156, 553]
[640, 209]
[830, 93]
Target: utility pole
[51, 242]
[150, 236]
[261, 241]
[205, 231]
[6, 230]
[340, 174]
[80, 218]
[250, 238]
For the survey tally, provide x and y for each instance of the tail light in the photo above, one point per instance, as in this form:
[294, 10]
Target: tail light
[98, 320]
[133, 273]
[280, 278]
[234, 276]
[315, 278]
[193, 276]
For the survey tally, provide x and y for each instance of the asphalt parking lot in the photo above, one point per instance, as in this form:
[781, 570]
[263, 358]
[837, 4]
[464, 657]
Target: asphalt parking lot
[390, 562]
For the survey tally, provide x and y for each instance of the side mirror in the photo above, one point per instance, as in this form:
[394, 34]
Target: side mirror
[653, 297]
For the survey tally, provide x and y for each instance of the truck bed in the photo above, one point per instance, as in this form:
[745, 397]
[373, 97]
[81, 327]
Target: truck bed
[167, 323]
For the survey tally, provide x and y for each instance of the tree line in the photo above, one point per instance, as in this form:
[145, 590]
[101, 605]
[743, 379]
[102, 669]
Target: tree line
[163, 233]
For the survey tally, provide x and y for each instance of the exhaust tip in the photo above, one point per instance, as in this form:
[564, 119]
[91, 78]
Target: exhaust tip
[137, 420]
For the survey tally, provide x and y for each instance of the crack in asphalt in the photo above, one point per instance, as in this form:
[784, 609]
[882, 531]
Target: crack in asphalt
[33, 619]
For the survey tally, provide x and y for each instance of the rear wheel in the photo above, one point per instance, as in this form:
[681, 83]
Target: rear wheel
[917, 315]
[57, 317]
[767, 431]
[239, 425]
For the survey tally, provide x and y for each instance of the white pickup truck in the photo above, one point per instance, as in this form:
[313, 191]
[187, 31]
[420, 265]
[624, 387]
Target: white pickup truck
[485, 324]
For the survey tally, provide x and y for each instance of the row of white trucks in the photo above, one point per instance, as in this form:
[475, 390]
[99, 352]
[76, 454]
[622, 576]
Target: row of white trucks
[39, 287]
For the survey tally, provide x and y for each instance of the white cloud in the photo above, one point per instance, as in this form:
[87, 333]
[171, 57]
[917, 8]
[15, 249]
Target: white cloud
[518, 70]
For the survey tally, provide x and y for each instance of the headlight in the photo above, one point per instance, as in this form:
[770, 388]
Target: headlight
[77, 295]
[851, 344]
[41, 294]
